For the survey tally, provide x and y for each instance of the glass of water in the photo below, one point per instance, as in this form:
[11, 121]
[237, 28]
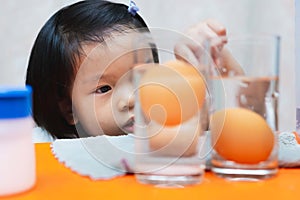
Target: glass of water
[170, 96]
[243, 85]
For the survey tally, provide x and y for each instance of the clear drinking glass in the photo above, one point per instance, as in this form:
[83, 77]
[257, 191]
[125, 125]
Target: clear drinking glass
[243, 85]
[170, 118]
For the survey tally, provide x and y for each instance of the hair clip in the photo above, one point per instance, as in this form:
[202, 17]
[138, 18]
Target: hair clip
[132, 8]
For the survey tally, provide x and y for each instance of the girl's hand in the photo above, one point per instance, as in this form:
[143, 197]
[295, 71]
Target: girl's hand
[192, 47]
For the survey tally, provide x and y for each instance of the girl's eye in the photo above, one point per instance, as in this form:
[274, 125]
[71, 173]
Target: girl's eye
[103, 89]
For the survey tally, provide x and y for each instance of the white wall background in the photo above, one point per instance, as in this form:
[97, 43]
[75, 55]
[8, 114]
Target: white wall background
[20, 22]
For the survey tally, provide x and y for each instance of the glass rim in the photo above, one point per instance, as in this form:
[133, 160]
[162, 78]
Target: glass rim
[248, 36]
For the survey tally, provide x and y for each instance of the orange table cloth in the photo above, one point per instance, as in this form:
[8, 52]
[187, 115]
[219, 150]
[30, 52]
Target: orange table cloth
[55, 181]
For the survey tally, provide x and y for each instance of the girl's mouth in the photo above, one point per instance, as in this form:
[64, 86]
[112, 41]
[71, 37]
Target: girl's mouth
[129, 126]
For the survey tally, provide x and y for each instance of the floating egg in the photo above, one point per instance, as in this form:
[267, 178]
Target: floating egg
[171, 93]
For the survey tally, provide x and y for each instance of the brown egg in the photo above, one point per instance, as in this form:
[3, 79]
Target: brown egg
[241, 135]
[171, 93]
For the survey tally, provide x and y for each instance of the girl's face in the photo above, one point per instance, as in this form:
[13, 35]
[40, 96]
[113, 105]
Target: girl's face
[103, 94]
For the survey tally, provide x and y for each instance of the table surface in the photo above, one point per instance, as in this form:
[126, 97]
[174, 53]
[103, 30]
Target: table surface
[55, 181]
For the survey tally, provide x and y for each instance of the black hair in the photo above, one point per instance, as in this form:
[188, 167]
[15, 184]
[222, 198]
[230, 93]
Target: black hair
[52, 63]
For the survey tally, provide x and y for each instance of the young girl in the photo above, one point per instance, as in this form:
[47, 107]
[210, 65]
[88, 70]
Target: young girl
[73, 87]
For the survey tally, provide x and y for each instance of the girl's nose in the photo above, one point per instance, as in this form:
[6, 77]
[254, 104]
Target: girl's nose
[126, 104]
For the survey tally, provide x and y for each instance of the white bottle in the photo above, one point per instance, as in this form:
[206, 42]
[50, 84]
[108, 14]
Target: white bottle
[17, 154]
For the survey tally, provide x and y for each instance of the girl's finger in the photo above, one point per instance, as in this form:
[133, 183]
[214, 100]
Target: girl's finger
[217, 27]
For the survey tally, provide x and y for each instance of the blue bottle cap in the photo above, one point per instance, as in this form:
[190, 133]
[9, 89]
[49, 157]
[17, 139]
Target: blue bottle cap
[15, 102]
